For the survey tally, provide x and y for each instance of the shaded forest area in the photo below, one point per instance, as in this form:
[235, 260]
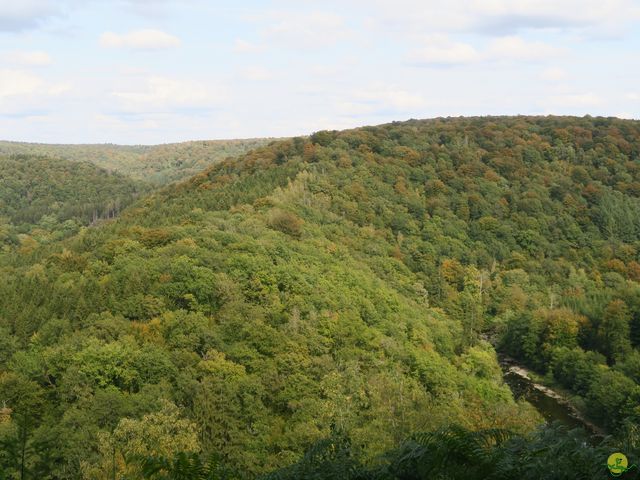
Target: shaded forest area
[53, 198]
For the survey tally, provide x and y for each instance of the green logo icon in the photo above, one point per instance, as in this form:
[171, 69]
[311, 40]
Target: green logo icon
[618, 464]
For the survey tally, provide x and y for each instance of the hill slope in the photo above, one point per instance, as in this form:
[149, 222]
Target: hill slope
[44, 193]
[158, 164]
[338, 280]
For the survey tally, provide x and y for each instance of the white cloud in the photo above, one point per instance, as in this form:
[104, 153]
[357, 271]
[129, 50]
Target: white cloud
[162, 94]
[502, 17]
[305, 30]
[575, 100]
[257, 74]
[393, 98]
[147, 39]
[554, 74]
[514, 15]
[440, 51]
[16, 83]
[321, 63]
[140, 122]
[242, 46]
[379, 100]
[35, 58]
[22, 92]
[515, 48]
[16, 15]
[325, 70]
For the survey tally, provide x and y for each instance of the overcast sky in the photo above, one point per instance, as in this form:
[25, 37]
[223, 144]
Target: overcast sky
[154, 71]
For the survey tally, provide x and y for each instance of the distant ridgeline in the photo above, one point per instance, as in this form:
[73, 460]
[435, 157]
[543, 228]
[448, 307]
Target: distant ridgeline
[337, 287]
[158, 164]
[50, 191]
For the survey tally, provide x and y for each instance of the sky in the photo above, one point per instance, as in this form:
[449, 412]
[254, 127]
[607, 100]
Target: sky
[159, 71]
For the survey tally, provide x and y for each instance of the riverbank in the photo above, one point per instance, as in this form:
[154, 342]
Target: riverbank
[552, 404]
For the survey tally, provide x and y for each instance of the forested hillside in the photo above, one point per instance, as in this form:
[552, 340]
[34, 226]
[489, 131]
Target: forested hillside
[337, 283]
[157, 164]
[50, 197]
[176, 161]
[110, 157]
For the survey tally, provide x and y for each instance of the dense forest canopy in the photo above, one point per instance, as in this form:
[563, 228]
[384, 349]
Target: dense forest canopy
[158, 164]
[338, 287]
[51, 198]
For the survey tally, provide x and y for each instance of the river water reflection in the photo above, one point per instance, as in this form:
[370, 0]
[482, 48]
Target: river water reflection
[551, 408]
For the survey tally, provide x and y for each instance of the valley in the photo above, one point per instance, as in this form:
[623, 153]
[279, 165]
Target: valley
[320, 304]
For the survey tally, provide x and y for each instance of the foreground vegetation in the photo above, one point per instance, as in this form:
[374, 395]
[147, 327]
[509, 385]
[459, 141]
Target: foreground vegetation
[450, 453]
[337, 283]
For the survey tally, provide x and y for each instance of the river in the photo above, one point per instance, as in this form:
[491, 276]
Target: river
[551, 405]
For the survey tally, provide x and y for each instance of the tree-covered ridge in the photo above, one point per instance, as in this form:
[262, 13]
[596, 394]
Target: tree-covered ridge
[55, 195]
[108, 156]
[341, 280]
[176, 161]
[158, 164]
